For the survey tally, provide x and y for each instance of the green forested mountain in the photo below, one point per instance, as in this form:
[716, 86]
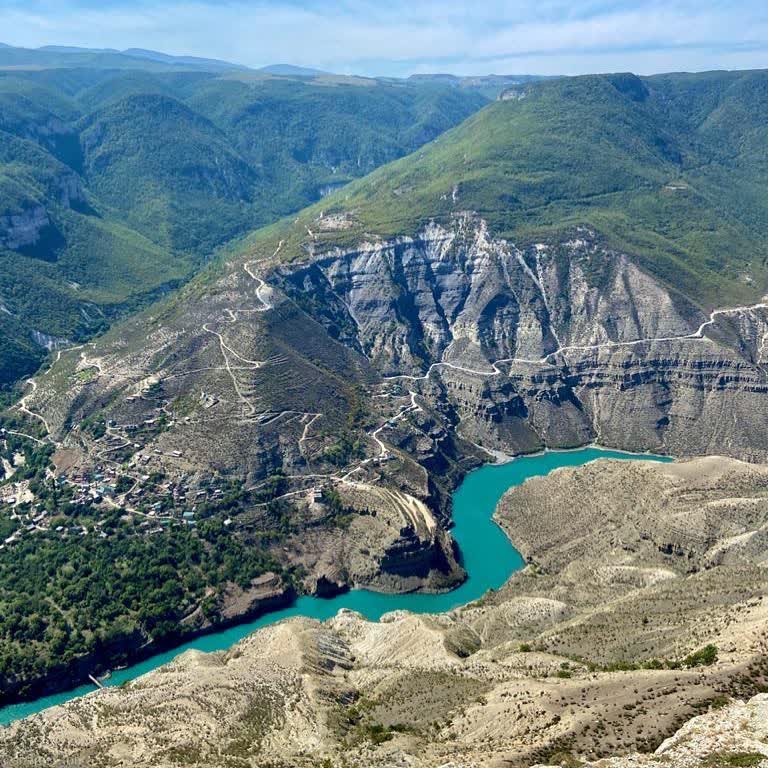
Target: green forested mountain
[168, 172]
[116, 183]
[672, 168]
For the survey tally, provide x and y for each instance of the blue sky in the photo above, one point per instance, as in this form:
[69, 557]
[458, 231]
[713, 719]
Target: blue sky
[398, 37]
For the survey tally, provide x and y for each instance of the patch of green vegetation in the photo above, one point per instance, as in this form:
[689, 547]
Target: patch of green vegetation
[359, 726]
[719, 702]
[95, 426]
[558, 751]
[376, 733]
[735, 759]
[704, 657]
[338, 513]
[87, 375]
[97, 582]
[187, 755]
[344, 450]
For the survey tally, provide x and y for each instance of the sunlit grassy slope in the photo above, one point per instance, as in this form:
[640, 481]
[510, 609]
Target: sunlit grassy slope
[671, 168]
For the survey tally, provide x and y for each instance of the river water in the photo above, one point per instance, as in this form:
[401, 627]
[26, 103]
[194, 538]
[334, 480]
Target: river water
[489, 559]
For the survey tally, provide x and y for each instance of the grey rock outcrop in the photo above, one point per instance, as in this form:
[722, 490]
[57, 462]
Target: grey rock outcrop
[556, 343]
[23, 229]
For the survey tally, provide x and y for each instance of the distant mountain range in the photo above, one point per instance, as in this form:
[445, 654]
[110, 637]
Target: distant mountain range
[132, 58]
[292, 71]
[55, 56]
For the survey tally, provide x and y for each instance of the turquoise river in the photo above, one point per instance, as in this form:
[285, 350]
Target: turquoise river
[488, 556]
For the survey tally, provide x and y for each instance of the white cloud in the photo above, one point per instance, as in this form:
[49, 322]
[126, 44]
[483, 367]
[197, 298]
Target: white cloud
[550, 36]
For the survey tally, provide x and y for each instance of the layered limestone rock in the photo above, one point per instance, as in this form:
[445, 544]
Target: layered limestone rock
[460, 296]
[401, 548]
[681, 516]
[557, 343]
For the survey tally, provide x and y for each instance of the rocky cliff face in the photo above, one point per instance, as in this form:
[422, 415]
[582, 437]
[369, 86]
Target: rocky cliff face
[459, 296]
[557, 343]
[20, 230]
[23, 229]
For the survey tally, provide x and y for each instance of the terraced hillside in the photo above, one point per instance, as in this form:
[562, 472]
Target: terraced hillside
[117, 183]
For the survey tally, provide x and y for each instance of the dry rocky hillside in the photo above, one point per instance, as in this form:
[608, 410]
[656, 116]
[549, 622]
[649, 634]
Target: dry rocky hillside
[387, 365]
[553, 343]
[637, 635]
